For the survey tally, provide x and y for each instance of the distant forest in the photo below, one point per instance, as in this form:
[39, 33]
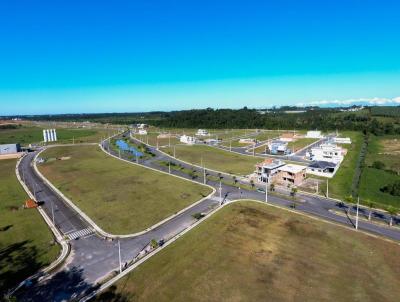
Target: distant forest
[376, 120]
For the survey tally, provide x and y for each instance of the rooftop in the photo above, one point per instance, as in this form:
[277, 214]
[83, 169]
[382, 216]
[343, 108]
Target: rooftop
[322, 165]
[292, 168]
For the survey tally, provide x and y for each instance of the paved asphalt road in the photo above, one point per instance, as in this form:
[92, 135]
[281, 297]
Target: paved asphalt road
[92, 257]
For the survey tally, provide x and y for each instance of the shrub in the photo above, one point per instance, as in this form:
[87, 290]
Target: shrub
[378, 165]
[392, 189]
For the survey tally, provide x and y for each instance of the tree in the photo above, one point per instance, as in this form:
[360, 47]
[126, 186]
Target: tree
[378, 165]
[293, 193]
[371, 205]
[252, 183]
[393, 212]
[234, 180]
[349, 199]
[272, 187]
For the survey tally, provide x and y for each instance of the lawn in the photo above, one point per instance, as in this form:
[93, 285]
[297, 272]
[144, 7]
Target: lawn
[385, 149]
[151, 139]
[340, 184]
[26, 243]
[121, 198]
[27, 134]
[253, 252]
[216, 159]
[301, 143]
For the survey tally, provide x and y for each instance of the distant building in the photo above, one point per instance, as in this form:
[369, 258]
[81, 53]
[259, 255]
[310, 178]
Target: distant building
[327, 152]
[322, 168]
[291, 174]
[190, 140]
[202, 132]
[49, 135]
[342, 140]
[314, 134]
[142, 126]
[267, 169]
[211, 141]
[10, 149]
[278, 147]
[142, 132]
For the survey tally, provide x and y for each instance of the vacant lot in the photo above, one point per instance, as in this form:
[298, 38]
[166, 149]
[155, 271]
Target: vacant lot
[253, 252]
[121, 198]
[26, 135]
[151, 139]
[301, 143]
[216, 159]
[340, 184]
[385, 149]
[26, 244]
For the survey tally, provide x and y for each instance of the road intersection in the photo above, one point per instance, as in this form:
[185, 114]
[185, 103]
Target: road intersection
[94, 258]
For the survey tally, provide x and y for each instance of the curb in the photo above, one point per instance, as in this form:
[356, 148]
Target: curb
[92, 223]
[210, 214]
[65, 247]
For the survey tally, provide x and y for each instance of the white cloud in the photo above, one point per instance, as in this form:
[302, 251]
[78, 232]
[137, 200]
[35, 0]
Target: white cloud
[360, 101]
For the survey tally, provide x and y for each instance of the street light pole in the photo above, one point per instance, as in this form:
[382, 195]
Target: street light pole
[220, 191]
[266, 190]
[174, 152]
[358, 203]
[52, 211]
[327, 188]
[119, 256]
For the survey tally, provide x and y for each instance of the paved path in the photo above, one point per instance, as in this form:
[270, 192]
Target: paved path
[93, 258]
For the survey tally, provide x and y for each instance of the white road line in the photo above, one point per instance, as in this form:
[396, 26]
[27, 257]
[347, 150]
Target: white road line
[80, 233]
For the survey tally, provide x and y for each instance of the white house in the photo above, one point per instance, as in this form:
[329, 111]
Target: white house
[190, 140]
[267, 169]
[202, 132]
[247, 140]
[142, 132]
[142, 126]
[342, 140]
[327, 152]
[323, 168]
[314, 134]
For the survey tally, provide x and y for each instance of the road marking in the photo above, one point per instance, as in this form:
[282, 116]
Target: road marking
[80, 233]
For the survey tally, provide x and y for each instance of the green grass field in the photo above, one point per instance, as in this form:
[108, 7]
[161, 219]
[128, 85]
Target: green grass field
[216, 159]
[26, 243]
[151, 139]
[385, 149]
[301, 143]
[26, 135]
[121, 198]
[253, 252]
[340, 184]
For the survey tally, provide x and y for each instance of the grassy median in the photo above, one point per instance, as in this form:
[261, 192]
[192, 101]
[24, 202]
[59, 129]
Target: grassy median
[253, 252]
[26, 243]
[215, 159]
[121, 198]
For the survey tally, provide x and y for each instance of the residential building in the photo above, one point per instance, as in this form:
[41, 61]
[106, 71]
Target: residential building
[142, 126]
[278, 147]
[202, 132]
[291, 174]
[10, 149]
[314, 134]
[267, 169]
[142, 132]
[342, 140]
[323, 168]
[211, 141]
[327, 152]
[190, 140]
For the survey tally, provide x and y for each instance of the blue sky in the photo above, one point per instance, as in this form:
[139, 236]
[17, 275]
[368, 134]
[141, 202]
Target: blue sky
[112, 56]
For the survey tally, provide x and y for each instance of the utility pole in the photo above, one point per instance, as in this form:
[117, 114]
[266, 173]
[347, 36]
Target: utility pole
[266, 190]
[119, 256]
[327, 188]
[204, 176]
[220, 191]
[358, 203]
[52, 211]
[174, 152]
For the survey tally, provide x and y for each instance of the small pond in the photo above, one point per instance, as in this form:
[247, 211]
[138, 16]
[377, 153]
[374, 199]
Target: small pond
[124, 146]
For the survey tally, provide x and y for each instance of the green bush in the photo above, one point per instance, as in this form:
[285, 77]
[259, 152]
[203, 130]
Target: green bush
[378, 165]
[392, 189]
